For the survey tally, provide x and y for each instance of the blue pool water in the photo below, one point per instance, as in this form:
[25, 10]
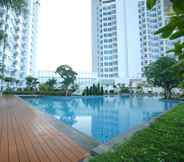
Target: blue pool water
[102, 117]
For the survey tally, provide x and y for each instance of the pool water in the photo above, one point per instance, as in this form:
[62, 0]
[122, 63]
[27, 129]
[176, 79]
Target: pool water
[102, 118]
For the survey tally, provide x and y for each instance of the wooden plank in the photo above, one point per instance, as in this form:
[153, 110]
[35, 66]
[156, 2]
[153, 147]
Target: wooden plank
[29, 136]
[45, 120]
[63, 152]
[13, 154]
[1, 126]
[22, 152]
[60, 139]
[4, 140]
[31, 153]
[51, 145]
[38, 141]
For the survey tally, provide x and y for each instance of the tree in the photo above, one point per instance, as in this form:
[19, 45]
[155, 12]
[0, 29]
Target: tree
[102, 91]
[44, 87]
[9, 80]
[175, 27]
[174, 30]
[123, 88]
[94, 90]
[68, 76]
[91, 91]
[87, 91]
[98, 89]
[51, 83]
[162, 73]
[74, 87]
[139, 89]
[31, 82]
[17, 82]
[1, 76]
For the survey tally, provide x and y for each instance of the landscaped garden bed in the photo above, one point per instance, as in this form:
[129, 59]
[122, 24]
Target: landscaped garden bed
[163, 141]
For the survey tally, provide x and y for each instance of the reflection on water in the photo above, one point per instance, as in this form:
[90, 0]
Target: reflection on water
[102, 117]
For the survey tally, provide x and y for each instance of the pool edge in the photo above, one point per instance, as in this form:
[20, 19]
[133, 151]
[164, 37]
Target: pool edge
[102, 148]
[78, 137]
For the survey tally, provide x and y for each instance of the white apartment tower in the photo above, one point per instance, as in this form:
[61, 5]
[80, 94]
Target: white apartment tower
[115, 40]
[32, 27]
[8, 46]
[153, 46]
[17, 51]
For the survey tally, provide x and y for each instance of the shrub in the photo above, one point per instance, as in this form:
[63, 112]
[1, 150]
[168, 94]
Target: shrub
[124, 89]
[94, 90]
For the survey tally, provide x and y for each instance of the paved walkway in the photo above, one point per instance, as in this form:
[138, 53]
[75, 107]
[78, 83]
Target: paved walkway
[29, 136]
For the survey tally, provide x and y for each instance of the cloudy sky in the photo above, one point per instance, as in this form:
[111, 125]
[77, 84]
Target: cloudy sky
[64, 34]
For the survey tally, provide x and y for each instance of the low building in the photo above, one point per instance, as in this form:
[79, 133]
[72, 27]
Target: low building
[44, 76]
[83, 80]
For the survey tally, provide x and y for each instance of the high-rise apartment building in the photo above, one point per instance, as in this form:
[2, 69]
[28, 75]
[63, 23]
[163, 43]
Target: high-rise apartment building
[115, 41]
[153, 46]
[7, 48]
[18, 50]
[32, 22]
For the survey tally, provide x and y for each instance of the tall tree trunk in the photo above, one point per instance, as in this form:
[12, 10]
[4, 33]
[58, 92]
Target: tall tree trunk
[66, 92]
[8, 86]
[167, 92]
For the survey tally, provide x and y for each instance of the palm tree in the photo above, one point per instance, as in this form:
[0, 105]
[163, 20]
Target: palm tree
[31, 83]
[16, 83]
[9, 80]
[17, 6]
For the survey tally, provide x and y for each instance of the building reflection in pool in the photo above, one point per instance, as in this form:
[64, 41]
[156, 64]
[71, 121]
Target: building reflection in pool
[102, 117]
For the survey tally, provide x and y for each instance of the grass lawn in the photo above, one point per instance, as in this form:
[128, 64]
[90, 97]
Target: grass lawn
[163, 141]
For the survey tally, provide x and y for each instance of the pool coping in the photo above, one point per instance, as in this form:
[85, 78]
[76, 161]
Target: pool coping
[85, 141]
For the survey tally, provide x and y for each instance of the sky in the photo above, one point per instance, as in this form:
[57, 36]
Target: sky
[64, 34]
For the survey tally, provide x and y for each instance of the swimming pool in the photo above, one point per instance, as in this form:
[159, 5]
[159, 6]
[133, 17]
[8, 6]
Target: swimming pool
[102, 117]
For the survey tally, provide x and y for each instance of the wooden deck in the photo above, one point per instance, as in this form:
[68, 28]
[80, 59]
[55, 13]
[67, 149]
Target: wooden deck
[29, 136]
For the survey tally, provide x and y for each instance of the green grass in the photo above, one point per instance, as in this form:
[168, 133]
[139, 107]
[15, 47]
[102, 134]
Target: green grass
[163, 141]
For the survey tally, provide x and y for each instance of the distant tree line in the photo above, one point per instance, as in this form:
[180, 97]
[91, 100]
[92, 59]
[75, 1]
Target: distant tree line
[51, 86]
[94, 90]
